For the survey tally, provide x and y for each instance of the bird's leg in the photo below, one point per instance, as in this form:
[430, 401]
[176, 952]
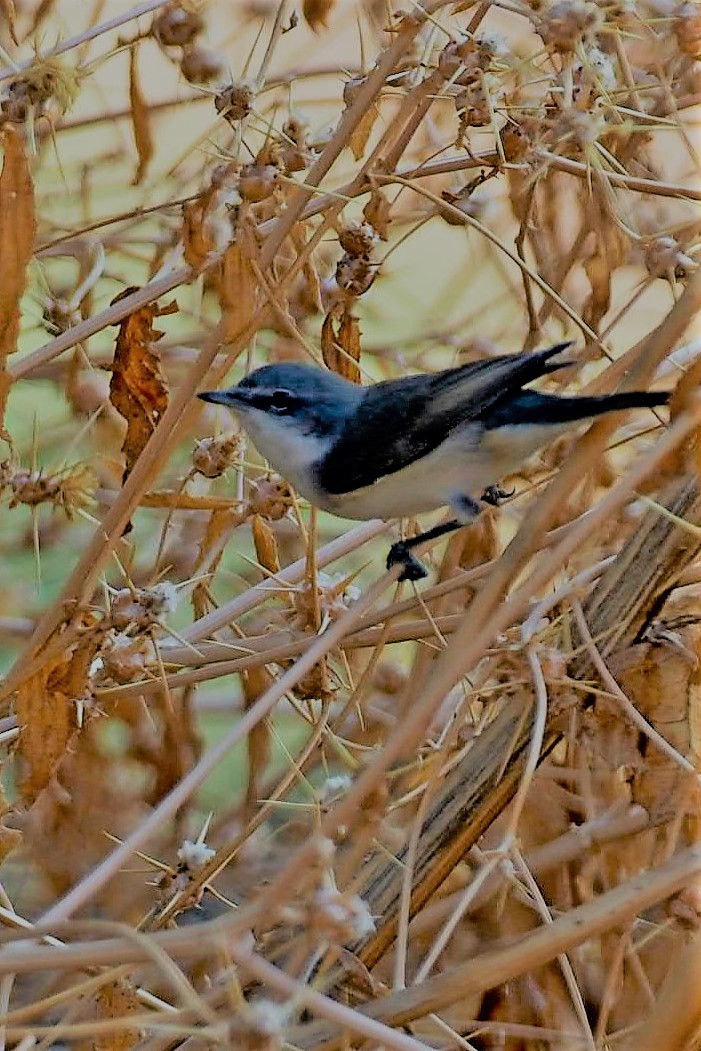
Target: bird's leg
[400, 553]
[494, 494]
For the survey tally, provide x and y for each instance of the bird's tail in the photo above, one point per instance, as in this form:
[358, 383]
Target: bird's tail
[537, 408]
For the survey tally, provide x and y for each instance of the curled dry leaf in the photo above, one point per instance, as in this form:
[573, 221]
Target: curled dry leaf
[340, 348]
[265, 544]
[376, 212]
[46, 712]
[238, 291]
[316, 13]
[17, 229]
[610, 253]
[255, 682]
[140, 119]
[115, 1001]
[138, 389]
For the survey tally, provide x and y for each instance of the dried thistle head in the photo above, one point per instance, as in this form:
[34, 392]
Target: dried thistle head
[271, 499]
[331, 916]
[563, 25]
[47, 84]
[258, 181]
[686, 26]
[358, 239]
[177, 25]
[124, 658]
[235, 101]
[211, 457]
[203, 65]
[137, 609]
[355, 274]
[70, 488]
[334, 596]
[664, 257]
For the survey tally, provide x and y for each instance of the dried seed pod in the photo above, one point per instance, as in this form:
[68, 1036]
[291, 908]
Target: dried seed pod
[472, 106]
[271, 499]
[125, 659]
[234, 101]
[582, 128]
[295, 153]
[176, 26]
[454, 56]
[664, 256]
[211, 457]
[46, 81]
[517, 140]
[202, 65]
[355, 274]
[566, 23]
[139, 608]
[258, 181]
[296, 128]
[358, 238]
[70, 489]
[687, 28]
[593, 76]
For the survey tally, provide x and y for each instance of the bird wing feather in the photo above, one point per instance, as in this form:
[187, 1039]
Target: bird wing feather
[385, 433]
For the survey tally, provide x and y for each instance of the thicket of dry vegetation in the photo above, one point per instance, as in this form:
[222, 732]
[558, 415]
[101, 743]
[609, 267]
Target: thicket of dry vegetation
[461, 815]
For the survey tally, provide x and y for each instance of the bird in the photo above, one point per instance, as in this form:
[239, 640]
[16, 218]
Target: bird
[418, 443]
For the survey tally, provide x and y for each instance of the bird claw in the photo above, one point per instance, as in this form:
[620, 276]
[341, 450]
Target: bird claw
[494, 495]
[400, 555]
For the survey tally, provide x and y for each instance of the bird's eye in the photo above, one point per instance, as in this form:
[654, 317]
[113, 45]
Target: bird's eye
[281, 401]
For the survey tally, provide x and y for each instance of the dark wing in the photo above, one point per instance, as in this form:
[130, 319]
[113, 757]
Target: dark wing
[399, 421]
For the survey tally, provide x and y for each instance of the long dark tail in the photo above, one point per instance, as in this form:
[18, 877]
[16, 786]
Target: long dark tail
[535, 408]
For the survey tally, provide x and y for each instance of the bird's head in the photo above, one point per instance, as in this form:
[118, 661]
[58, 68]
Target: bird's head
[293, 412]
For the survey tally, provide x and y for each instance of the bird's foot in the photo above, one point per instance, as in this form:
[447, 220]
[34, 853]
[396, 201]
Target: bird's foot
[494, 495]
[400, 555]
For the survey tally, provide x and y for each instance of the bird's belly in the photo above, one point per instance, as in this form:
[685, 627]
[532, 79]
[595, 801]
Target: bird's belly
[457, 467]
[471, 460]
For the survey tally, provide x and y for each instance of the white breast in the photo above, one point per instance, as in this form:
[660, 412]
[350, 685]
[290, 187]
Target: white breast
[466, 464]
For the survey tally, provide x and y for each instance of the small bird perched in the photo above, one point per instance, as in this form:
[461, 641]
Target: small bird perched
[413, 444]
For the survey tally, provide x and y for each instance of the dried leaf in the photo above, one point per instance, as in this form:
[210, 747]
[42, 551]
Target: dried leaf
[46, 712]
[138, 389]
[238, 290]
[610, 252]
[116, 1000]
[341, 349]
[88, 795]
[265, 544]
[316, 13]
[255, 682]
[376, 212]
[17, 229]
[140, 119]
[197, 242]
[362, 131]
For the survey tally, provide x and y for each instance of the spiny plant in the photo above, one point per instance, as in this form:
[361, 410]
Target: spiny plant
[256, 792]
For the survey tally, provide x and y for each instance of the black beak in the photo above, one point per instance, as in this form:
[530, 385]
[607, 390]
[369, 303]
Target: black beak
[232, 398]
